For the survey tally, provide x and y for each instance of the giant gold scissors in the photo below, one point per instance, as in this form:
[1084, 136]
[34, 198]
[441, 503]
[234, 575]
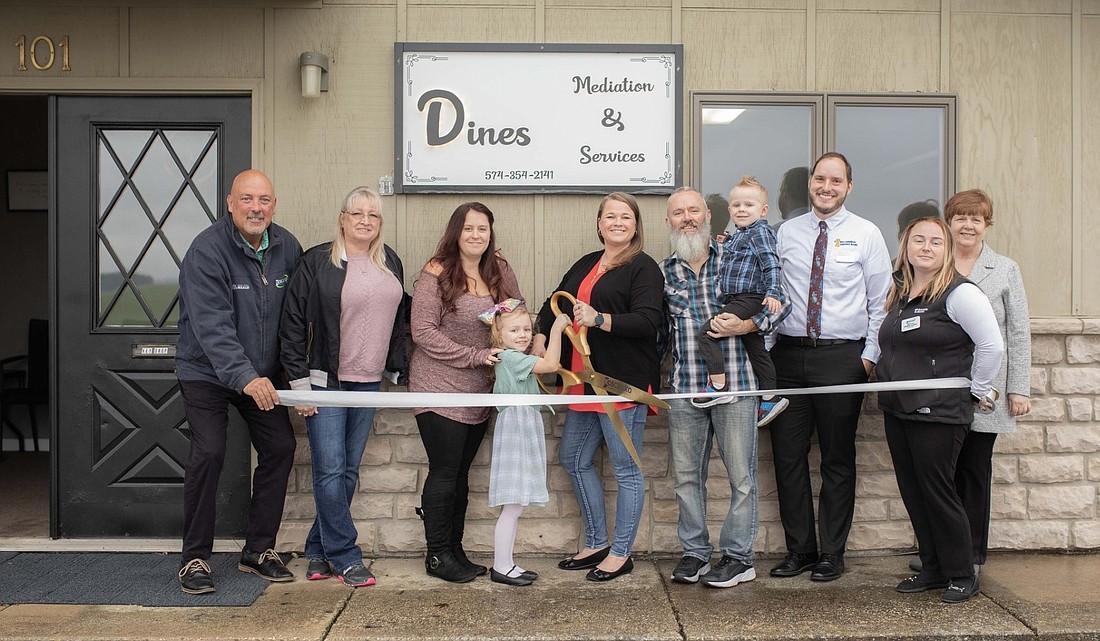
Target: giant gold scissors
[602, 384]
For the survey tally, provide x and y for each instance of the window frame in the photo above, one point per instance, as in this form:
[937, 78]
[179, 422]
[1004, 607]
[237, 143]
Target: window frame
[823, 119]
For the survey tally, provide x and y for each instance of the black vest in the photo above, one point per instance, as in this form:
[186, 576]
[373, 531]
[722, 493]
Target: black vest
[919, 340]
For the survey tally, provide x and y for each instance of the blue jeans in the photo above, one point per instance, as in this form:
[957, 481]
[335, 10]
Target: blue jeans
[689, 433]
[337, 438]
[581, 437]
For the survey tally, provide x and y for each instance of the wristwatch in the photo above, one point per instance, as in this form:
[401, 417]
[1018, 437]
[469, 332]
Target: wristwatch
[599, 320]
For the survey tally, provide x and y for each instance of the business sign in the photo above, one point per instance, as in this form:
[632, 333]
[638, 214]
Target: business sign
[538, 118]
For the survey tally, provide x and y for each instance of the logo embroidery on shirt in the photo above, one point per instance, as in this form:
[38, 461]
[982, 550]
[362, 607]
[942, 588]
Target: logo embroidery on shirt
[281, 281]
[240, 286]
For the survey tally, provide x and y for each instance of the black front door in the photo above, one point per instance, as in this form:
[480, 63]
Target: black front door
[136, 178]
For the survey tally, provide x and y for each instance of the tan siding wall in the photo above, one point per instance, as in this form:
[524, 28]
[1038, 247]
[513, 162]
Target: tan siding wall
[610, 24]
[325, 147]
[1090, 169]
[744, 50]
[888, 51]
[1015, 140]
[196, 42]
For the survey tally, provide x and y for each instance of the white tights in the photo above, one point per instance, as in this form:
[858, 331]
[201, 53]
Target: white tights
[504, 540]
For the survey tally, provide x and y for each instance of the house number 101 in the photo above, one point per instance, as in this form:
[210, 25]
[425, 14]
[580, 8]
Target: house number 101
[49, 52]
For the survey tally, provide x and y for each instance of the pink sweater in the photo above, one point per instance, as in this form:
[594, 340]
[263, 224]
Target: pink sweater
[451, 348]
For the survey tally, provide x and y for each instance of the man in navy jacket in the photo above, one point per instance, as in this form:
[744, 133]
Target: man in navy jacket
[232, 284]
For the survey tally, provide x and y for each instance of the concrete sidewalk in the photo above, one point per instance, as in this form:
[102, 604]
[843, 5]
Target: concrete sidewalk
[1023, 596]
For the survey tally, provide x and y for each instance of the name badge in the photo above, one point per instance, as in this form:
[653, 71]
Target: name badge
[910, 324]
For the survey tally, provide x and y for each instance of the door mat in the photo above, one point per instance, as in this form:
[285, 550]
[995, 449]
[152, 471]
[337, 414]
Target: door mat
[103, 578]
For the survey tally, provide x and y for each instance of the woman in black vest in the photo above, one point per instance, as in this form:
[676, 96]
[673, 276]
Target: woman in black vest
[938, 325]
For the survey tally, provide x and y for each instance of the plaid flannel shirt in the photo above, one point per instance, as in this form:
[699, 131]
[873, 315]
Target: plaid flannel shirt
[690, 301]
[750, 262]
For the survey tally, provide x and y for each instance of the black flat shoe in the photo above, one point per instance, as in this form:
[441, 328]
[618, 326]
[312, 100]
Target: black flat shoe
[531, 573]
[522, 579]
[588, 562]
[596, 574]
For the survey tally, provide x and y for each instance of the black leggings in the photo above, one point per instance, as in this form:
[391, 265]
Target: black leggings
[451, 447]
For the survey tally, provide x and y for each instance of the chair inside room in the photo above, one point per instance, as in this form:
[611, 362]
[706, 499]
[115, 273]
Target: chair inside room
[25, 380]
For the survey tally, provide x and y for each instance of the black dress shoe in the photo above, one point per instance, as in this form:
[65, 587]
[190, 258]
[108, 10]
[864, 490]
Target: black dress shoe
[522, 579]
[795, 564]
[531, 573]
[596, 574]
[266, 564]
[829, 568]
[590, 561]
[195, 577]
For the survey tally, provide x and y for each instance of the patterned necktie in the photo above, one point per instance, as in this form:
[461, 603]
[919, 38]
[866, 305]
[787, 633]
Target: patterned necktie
[817, 273]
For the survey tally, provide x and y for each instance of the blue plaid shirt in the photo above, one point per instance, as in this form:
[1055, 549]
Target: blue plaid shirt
[690, 301]
[750, 262]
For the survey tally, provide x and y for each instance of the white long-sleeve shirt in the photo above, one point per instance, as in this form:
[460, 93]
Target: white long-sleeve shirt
[970, 308]
[856, 279]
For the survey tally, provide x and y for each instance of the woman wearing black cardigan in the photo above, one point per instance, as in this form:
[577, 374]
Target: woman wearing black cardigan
[619, 292]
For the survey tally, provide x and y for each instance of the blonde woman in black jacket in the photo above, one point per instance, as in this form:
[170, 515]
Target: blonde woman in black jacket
[343, 325]
[938, 325]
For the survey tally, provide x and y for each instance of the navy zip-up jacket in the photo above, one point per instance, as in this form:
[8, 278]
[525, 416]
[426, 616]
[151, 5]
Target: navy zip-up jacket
[230, 306]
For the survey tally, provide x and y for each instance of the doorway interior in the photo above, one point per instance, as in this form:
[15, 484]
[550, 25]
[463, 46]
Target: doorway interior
[24, 283]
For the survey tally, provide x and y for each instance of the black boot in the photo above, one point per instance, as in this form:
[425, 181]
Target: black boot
[437, 511]
[458, 528]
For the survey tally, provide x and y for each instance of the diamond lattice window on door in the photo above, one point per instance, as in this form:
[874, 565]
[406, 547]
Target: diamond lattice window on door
[156, 190]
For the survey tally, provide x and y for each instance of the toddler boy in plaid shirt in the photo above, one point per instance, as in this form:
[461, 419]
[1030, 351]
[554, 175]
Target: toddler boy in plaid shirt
[750, 281]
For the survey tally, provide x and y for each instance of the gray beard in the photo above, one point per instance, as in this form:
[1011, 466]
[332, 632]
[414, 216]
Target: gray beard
[691, 247]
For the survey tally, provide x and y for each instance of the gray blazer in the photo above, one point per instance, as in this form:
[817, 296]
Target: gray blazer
[999, 277]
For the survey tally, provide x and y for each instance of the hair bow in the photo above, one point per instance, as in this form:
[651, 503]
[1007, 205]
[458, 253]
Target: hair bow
[507, 305]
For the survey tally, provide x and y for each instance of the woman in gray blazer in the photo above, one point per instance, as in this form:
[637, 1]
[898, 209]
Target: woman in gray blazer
[969, 214]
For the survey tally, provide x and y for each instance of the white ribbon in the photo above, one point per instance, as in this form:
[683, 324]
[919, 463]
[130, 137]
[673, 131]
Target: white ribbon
[324, 398]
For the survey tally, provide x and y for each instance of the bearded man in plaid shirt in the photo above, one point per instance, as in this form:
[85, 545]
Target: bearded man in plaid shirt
[691, 299]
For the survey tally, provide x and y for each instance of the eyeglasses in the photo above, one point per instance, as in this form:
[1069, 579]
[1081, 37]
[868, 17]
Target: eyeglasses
[360, 215]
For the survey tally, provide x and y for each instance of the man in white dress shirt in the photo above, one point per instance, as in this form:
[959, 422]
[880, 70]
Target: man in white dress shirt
[830, 338]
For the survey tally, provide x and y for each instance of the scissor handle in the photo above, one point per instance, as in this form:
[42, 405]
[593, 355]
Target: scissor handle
[568, 379]
[579, 338]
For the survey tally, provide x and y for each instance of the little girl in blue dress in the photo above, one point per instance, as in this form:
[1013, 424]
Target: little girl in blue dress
[517, 477]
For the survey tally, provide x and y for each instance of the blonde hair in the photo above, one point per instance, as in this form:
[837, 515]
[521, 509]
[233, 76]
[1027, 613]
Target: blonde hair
[495, 339]
[637, 243]
[751, 182]
[375, 252]
[903, 269]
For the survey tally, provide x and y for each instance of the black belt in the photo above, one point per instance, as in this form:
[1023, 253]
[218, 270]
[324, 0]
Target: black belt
[806, 341]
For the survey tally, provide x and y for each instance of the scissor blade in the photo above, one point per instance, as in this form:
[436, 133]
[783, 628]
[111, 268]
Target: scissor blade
[615, 387]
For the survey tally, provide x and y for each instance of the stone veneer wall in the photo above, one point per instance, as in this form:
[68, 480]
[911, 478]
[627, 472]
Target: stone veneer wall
[1045, 476]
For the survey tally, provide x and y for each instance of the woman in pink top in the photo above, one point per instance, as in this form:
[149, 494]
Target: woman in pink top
[343, 324]
[464, 278]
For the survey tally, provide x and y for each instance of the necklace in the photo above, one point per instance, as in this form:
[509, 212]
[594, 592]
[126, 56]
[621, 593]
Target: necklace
[359, 261]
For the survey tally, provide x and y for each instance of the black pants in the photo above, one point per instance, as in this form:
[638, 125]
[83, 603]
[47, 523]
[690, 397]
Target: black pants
[925, 455]
[834, 417]
[451, 447]
[973, 481]
[206, 406]
[742, 306]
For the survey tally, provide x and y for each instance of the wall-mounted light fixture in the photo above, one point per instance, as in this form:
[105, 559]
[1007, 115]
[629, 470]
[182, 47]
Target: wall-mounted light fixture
[314, 73]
